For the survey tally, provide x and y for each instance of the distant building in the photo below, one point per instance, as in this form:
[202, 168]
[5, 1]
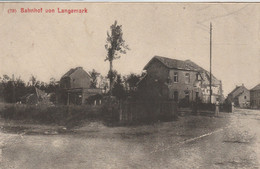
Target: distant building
[179, 80]
[36, 97]
[255, 96]
[240, 96]
[75, 85]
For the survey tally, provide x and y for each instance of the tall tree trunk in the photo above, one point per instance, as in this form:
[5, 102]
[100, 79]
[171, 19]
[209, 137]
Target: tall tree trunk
[111, 78]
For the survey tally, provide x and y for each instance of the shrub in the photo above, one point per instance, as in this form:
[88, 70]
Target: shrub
[61, 115]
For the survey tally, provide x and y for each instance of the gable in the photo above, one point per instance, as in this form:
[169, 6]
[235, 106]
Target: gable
[76, 78]
[79, 73]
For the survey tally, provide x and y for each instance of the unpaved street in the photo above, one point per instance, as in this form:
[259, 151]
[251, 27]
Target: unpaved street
[227, 141]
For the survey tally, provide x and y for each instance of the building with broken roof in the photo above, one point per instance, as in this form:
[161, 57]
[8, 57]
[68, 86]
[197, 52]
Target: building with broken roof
[180, 80]
[75, 86]
[36, 97]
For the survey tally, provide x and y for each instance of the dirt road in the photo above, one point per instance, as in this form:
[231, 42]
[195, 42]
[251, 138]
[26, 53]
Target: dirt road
[228, 141]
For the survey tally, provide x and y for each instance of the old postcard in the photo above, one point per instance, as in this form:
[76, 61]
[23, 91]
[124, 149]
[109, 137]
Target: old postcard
[129, 85]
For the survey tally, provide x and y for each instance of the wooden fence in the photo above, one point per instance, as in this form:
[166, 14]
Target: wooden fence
[134, 111]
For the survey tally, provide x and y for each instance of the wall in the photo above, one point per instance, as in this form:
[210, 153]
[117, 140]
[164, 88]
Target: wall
[255, 98]
[80, 79]
[154, 82]
[239, 90]
[181, 86]
[244, 99]
[65, 83]
[216, 93]
[89, 92]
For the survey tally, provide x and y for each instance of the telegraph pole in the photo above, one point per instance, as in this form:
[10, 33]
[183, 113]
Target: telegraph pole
[13, 88]
[210, 78]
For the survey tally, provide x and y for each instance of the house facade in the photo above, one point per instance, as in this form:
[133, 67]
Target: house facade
[255, 97]
[240, 96]
[182, 81]
[75, 86]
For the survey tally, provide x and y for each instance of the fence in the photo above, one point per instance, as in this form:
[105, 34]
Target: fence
[146, 111]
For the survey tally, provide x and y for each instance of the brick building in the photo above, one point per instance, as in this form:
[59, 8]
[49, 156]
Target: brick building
[75, 85]
[179, 80]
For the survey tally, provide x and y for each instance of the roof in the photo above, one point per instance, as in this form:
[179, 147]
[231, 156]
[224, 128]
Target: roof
[204, 73]
[172, 63]
[237, 87]
[257, 87]
[71, 71]
[234, 90]
[239, 94]
[184, 65]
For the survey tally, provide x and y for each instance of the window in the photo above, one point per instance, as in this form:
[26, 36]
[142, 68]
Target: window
[175, 96]
[245, 97]
[187, 95]
[175, 77]
[187, 78]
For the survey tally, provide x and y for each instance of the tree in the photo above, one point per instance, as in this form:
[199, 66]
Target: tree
[33, 81]
[118, 88]
[103, 84]
[132, 81]
[20, 89]
[5, 79]
[111, 76]
[115, 46]
[94, 75]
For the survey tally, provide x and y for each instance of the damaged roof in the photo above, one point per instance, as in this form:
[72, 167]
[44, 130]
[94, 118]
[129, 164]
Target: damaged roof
[184, 65]
[172, 63]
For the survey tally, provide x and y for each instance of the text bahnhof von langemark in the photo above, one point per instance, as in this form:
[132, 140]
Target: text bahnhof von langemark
[59, 10]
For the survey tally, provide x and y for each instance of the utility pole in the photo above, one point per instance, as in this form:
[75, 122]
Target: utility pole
[13, 87]
[210, 76]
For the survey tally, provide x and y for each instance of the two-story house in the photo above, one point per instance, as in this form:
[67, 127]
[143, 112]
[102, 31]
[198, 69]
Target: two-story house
[76, 86]
[255, 97]
[178, 80]
[240, 96]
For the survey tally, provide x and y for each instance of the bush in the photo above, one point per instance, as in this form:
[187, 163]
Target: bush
[110, 110]
[61, 115]
[206, 106]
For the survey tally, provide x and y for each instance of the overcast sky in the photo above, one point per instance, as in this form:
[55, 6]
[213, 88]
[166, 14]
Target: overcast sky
[48, 45]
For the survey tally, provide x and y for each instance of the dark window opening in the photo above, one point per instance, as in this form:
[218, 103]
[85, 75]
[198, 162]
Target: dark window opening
[187, 78]
[175, 77]
[175, 96]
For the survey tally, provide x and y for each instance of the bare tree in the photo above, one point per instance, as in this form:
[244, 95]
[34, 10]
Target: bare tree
[115, 46]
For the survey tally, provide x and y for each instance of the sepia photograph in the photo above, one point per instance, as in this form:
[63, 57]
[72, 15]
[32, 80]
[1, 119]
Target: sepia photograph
[133, 85]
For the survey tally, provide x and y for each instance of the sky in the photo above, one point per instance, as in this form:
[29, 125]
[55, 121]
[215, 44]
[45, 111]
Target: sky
[49, 44]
